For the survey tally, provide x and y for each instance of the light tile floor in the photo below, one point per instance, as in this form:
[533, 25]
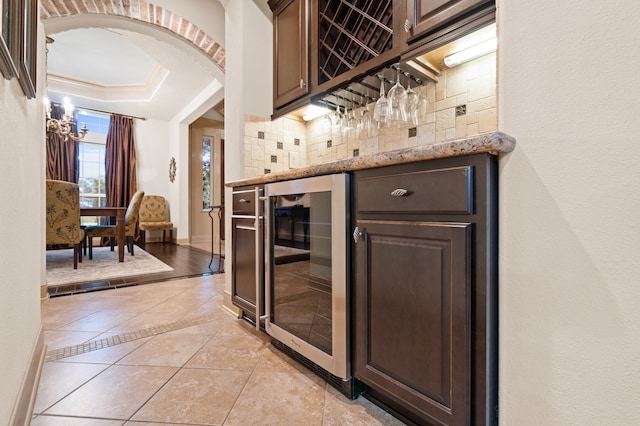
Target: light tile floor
[169, 354]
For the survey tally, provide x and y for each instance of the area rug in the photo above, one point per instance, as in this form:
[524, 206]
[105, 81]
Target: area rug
[103, 266]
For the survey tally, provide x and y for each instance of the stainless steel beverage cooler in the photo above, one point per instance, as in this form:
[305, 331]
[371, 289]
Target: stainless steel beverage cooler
[306, 271]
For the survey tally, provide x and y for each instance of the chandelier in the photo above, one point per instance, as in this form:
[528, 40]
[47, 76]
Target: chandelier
[63, 126]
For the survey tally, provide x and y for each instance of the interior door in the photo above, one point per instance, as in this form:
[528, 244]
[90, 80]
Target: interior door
[206, 145]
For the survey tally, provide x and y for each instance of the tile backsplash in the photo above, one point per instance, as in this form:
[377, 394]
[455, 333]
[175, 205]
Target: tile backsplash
[462, 103]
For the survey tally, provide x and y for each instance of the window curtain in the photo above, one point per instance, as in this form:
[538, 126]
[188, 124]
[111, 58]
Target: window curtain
[120, 162]
[62, 156]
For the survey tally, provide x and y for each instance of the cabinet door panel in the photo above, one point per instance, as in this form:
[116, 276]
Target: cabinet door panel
[411, 311]
[244, 265]
[426, 15]
[291, 58]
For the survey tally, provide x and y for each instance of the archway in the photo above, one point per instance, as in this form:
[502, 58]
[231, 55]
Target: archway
[155, 21]
[52, 11]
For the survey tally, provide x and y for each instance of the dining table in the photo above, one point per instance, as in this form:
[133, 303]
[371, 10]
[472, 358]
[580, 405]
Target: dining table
[119, 214]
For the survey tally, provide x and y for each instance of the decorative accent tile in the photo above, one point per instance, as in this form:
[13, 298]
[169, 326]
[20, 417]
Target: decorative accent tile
[274, 158]
[267, 171]
[296, 142]
[356, 152]
[260, 135]
[461, 110]
[329, 143]
[413, 132]
[280, 145]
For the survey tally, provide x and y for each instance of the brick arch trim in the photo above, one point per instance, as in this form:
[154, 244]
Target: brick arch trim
[142, 11]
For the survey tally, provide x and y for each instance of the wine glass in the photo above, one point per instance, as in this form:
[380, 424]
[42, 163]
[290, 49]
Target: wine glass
[364, 124]
[337, 119]
[411, 104]
[352, 122]
[420, 110]
[382, 106]
[326, 124]
[396, 98]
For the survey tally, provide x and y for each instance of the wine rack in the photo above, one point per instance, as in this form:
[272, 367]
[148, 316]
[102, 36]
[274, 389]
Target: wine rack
[350, 33]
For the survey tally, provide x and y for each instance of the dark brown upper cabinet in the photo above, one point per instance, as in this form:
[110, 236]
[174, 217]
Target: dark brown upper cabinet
[291, 54]
[425, 16]
[322, 46]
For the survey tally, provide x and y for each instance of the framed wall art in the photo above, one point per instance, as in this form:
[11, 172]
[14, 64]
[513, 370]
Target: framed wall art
[7, 67]
[22, 42]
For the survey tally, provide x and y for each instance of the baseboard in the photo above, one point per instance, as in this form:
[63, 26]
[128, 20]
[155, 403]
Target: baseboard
[201, 239]
[44, 294]
[228, 306]
[23, 409]
[157, 239]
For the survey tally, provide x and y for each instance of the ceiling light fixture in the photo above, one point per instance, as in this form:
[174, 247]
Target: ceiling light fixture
[472, 52]
[63, 127]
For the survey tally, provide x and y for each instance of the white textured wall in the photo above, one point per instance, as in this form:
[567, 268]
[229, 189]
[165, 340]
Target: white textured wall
[22, 234]
[153, 155]
[569, 91]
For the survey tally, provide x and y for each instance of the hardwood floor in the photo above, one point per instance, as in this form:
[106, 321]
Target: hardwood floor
[186, 261]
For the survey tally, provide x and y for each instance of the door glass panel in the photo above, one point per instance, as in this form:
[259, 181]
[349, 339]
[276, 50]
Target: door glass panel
[301, 302]
[207, 142]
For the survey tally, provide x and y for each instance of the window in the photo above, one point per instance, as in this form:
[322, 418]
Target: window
[207, 142]
[91, 172]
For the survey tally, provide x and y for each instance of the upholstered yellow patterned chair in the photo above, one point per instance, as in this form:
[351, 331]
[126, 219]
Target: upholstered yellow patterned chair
[63, 217]
[153, 217]
[131, 220]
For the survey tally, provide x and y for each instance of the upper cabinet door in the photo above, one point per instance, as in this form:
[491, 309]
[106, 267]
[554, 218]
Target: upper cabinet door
[291, 54]
[426, 15]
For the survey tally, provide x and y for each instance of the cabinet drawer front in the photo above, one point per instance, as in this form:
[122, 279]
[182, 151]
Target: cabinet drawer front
[244, 201]
[426, 192]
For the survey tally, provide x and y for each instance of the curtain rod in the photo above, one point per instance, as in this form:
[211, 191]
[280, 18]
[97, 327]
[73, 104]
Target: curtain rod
[108, 112]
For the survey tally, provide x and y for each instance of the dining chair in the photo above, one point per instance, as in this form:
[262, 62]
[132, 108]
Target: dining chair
[153, 217]
[63, 217]
[131, 220]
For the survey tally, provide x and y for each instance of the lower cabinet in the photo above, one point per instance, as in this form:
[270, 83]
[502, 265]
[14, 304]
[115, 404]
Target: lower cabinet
[244, 266]
[424, 289]
[247, 259]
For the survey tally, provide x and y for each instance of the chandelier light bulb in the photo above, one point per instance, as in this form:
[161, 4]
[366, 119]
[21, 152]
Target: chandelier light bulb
[63, 127]
[68, 107]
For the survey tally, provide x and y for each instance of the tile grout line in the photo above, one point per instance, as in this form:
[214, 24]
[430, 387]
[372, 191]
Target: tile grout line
[179, 369]
[106, 342]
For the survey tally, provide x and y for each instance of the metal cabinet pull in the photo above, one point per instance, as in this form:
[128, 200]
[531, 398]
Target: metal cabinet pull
[407, 26]
[302, 83]
[242, 200]
[399, 192]
[356, 235]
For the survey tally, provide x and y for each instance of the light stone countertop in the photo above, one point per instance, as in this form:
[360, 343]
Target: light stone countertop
[493, 143]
